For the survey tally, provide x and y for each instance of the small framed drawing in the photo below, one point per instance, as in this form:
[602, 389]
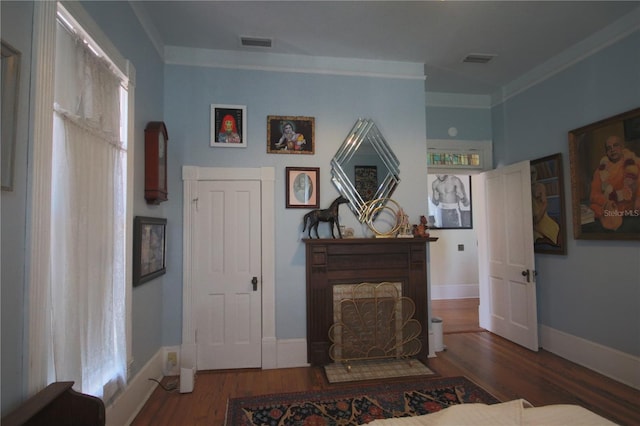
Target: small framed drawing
[449, 201]
[303, 187]
[290, 135]
[229, 126]
[605, 178]
[547, 201]
[149, 248]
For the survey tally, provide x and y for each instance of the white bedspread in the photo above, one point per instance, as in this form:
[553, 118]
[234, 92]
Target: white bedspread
[516, 412]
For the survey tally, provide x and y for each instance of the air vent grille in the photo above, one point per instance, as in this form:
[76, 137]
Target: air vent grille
[255, 42]
[479, 58]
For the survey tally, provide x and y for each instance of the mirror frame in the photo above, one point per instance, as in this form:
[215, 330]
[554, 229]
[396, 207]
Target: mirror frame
[364, 131]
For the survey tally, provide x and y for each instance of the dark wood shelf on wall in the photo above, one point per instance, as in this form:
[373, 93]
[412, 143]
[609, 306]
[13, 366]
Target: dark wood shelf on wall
[356, 260]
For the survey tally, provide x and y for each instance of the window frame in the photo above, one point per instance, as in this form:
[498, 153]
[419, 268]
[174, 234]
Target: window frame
[36, 364]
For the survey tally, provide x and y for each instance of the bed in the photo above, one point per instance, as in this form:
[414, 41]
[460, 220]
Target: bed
[516, 412]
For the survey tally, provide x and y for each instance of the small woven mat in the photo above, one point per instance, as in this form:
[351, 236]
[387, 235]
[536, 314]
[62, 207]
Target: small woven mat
[375, 369]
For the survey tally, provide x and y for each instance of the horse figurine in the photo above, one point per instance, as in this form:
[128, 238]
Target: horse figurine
[314, 217]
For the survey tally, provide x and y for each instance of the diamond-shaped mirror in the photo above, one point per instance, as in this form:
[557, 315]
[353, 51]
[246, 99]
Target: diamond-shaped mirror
[364, 168]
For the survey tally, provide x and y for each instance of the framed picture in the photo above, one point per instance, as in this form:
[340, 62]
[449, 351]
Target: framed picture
[149, 248]
[10, 83]
[303, 187]
[449, 201]
[366, 181]
[229, 126]
[290, 135]
[605, 178]
[547, 199]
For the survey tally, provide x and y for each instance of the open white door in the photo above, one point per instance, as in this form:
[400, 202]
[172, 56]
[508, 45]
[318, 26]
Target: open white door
[502, 212]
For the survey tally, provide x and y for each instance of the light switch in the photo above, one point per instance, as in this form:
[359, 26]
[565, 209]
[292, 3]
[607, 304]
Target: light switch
[460, 247]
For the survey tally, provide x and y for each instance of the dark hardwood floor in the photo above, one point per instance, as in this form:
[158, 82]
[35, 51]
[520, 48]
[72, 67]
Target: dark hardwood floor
[506, 370]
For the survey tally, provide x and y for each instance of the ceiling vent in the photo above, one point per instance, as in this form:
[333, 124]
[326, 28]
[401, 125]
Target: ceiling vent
[255, 42]
[479, 58]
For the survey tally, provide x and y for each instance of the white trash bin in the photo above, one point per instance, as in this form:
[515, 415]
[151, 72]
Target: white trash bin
[436, 326]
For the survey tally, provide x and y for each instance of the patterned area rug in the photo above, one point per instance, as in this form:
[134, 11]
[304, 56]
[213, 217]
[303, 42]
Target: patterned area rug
[375, 369]
[355, 405]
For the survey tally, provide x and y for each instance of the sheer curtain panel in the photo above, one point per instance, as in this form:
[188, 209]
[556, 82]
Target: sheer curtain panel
[88, 221]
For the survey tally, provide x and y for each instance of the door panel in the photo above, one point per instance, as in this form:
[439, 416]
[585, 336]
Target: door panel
[505, 252]
[226, 250]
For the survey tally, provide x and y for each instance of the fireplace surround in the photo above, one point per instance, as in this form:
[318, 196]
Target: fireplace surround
[331, 262]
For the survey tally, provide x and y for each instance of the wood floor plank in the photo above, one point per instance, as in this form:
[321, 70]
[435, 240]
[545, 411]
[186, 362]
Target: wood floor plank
[504, 369]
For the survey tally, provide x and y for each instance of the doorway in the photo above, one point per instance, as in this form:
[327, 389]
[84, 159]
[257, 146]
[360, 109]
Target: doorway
[192, 176]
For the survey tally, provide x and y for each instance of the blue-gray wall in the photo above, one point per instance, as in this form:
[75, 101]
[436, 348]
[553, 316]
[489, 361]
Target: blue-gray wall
[594, 291]
[16, 28]
[336, 102]
[119, 23]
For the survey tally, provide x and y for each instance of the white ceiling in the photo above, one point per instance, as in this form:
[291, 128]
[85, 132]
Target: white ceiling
[439, 34]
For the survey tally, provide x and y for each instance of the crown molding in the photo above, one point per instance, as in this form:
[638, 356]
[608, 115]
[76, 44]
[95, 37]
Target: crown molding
[149, 28]
[280, 62]
[457, 100]
[609, 35]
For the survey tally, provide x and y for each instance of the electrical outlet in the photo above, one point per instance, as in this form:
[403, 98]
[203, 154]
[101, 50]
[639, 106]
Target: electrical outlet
[172, 359]
[171, 362]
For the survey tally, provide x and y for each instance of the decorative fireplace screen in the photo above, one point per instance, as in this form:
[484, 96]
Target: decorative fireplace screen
[372, 321]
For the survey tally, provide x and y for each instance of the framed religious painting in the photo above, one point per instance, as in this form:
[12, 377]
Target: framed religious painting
[290, 135]
[303, 187]
[605, 178]
[547, 200]
[228, 126]
[449, 201]
[149, 248]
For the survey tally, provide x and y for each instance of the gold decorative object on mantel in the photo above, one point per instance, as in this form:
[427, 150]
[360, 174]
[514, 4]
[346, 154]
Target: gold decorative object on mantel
[372, 210]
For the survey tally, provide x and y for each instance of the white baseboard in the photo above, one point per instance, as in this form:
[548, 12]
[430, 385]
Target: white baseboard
[127, 405]
[292, 353]
[620, 366]
[455, 291]
[269, 353]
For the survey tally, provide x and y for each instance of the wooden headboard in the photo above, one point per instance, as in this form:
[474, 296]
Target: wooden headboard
[60, 405]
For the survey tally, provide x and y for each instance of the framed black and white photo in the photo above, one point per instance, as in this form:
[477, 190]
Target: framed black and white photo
[149, 248]
[449, 201]
[228, 126]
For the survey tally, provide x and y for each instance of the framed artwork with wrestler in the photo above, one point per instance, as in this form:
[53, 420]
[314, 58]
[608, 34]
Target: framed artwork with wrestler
[449, 201]
[605, 178]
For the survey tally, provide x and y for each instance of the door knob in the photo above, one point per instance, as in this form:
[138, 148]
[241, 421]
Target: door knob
[254, 281]
[526, 274]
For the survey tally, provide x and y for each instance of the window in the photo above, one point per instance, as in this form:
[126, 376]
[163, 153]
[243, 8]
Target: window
[466, 156]
[89, 212]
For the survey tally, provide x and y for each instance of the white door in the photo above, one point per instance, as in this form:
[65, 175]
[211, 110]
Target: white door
[502, 204]
[226, 257]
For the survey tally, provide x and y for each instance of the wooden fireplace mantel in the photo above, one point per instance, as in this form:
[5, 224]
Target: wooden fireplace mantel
[354, 261]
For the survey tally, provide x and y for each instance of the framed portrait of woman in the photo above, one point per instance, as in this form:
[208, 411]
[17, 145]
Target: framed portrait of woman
[290, 135]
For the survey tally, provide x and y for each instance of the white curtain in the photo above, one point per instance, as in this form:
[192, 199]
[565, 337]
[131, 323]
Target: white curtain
[87, 222]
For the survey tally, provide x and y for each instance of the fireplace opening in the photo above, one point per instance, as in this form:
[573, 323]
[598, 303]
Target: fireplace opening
[373, 321]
